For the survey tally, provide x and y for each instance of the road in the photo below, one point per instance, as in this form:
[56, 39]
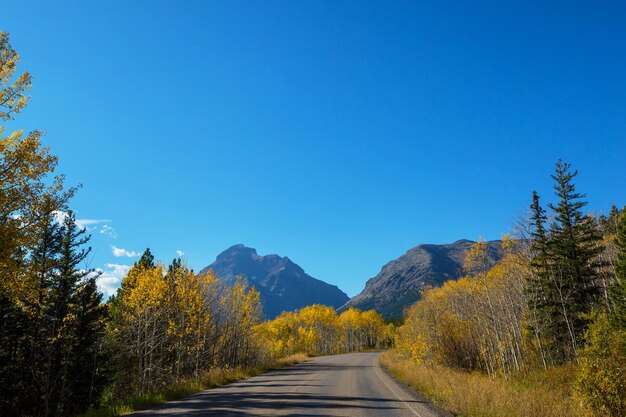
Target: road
[341, 385]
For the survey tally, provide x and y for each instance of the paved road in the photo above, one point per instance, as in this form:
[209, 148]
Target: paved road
[342, 385]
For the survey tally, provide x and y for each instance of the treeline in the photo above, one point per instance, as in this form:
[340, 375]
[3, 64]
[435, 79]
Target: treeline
[472, 323]
[168, 325]
[318, 329]
[557, 297]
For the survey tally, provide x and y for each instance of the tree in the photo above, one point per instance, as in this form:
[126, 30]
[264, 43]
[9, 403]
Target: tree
[89, 369]
[15, 396]
[541, 309]
[617, 291]
[12, 93]
[67, 320]
[139, 319]
[25, 195]
[574, 250]
[76, 325]
[29, 247]
[601, 375]
[147, 260]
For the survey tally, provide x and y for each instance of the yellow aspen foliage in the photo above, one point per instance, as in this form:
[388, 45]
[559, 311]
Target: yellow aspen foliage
[148, 291]
[318, 329]
[168, 325]
[472, 323]
[601, 375]
[27, 194]
[12, 91]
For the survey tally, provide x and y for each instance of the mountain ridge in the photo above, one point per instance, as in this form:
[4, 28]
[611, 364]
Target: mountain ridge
[283, 285]
[400, 281]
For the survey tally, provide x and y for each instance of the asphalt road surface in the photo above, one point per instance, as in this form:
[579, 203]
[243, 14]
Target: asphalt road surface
[342, 385]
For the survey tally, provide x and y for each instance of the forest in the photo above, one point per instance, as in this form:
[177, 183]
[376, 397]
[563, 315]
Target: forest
[556, 303]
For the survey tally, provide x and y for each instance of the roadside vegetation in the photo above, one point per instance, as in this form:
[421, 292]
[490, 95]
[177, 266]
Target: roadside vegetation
[113, 407]
[542, 332]
[542, 393]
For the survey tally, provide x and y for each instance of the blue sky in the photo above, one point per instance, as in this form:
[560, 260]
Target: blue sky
[340, 134]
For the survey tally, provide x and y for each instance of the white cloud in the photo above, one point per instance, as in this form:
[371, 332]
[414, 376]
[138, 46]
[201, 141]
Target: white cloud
[110, 278]
[118, 270]
[108, 231]
[119, 252]
[60, 217]
[108, 283]
[83, 223]
[180, 253]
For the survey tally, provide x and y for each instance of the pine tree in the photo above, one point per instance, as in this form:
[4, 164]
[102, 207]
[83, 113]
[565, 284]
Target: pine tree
[539, 289]
[89, 368]
[15, 393]
[147, 260]
[574, 249]
[66, 321]
[610, 223]
[617, 291]
[73, 300]
[44, 264]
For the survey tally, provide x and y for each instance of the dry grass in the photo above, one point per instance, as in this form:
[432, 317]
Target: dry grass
[531, 394]
[292, 360]
[211, 379]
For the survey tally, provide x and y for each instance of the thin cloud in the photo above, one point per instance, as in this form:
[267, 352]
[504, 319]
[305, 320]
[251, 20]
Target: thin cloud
[118, 269]
[180, 253]
[60, 217]
[83, 223]
[108, 231]
[119, 252]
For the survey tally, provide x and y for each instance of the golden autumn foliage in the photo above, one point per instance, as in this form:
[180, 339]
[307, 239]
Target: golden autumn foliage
[174, 324]
[27, 193]
[318, 329]
[485, 324]
[13, 96]
[601, 375]
[473, 323]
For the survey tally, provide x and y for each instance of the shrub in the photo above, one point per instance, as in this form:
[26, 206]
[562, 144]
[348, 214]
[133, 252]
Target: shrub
[601, 377]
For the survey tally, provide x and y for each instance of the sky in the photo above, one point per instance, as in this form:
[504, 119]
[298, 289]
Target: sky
[339, 134]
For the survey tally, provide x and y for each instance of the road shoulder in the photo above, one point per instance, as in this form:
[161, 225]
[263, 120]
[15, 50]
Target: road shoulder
[418, 396]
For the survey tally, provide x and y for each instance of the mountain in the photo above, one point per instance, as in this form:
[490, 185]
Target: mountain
[399, 283]
[283, 285]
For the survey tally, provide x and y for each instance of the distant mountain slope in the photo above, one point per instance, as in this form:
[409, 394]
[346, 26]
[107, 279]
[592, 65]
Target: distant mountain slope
[400, 281]
[283, 285]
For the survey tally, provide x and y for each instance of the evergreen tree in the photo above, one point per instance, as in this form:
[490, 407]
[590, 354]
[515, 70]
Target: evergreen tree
[610, 223]
[68, 323]
[574, 249]
[539, 291]
[44, 258]
[147, 260]
[15, 394]
[617, 291]
[43, 321]
[89, 369]
[73, 312]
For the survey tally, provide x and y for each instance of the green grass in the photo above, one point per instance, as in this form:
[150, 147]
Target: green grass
[184, 388]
